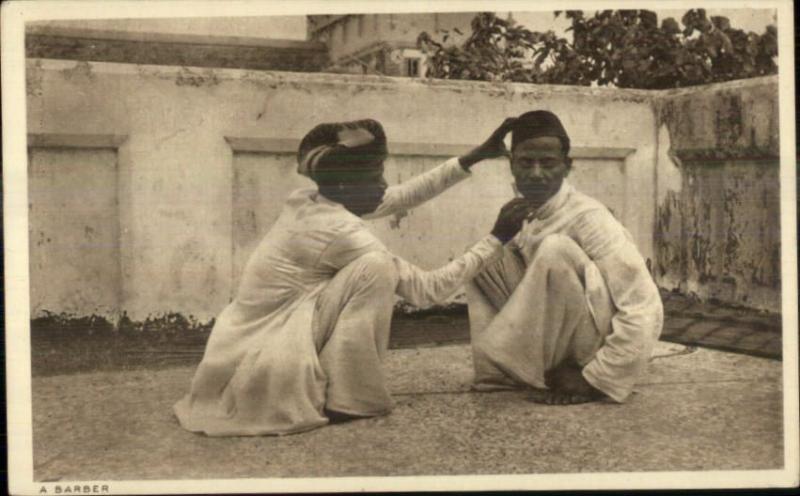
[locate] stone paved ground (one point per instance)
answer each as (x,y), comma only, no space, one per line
(719,327)
(696,409)
(686,321)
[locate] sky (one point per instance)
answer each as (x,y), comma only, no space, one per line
(294,27)
(746,19)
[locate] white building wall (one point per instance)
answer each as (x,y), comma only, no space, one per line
(198,161)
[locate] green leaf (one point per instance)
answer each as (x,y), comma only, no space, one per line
(649,19)
(721,22)
(670,26)
(726,42)
(625,48)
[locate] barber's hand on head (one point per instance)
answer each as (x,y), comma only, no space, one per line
(491,148)
(509,220)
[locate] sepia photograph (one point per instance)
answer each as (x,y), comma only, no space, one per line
(284,247)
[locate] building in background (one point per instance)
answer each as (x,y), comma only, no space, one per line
(130,142)
(148,41)
(358,43)
(382,43)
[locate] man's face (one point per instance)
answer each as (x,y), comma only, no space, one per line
(539,167)
(360,190)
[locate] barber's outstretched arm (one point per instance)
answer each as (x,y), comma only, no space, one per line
(425,186)
(425,288)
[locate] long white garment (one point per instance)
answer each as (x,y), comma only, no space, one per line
(616,269)
(261,370)
(528,319)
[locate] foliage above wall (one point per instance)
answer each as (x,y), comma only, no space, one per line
(623,48)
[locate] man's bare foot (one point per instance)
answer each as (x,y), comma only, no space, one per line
(549,397)
(566,386)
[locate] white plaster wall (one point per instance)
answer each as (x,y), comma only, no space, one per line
(176,169)
(74,235)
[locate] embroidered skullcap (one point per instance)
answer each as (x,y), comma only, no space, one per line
(342,146)
(536,124)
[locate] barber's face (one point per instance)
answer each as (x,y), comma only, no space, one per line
(359,190)
(539,167)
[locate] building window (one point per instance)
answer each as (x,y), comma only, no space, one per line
(360,21)
(345,23)
(337,32)
(412,67)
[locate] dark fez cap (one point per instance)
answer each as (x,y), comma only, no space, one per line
(536,124)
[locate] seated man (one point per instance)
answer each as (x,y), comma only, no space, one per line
(302,341)
(571,306)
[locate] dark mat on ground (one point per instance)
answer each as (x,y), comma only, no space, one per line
(73,349)
(722,327)
(686,321)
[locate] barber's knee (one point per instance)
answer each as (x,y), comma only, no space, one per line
(376,260)
(377,268)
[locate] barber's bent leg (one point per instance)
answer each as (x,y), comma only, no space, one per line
(351,330)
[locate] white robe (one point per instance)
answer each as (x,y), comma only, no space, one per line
(261,372)
(629,325)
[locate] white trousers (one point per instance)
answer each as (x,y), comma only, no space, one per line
(280,380)
(351,327)
(528,319)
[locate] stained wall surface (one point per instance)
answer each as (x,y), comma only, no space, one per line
(194,164)
(204,159)
(718,215)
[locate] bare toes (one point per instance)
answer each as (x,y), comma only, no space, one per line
(540,396)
